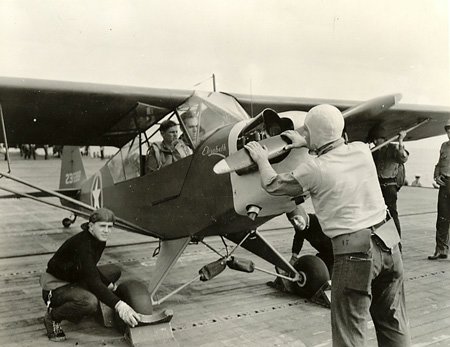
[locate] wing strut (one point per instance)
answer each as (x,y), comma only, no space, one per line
(120,222)
(4,136)
(376,148)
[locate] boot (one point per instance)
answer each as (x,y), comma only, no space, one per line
(437,255)
(54,331)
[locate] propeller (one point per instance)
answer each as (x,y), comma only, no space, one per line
(241,160)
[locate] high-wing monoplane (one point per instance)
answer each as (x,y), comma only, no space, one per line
(215,190)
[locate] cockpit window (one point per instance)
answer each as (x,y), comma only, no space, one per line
(188,125)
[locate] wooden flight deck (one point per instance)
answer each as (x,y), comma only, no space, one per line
(234,309)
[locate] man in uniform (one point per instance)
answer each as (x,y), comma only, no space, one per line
(442,178)
(343,185)
(191,124)
(169,150)
(388,160)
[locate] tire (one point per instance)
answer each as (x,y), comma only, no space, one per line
(66,222)
(135,294)
(314,274)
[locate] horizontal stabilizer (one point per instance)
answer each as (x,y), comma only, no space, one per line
(71,193)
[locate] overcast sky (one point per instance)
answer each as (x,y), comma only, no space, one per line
(338,49)
(341,49)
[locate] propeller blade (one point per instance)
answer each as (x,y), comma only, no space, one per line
(242,160)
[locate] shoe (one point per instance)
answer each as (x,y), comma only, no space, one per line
(436,256)
(54,331)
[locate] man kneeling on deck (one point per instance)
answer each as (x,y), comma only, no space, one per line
(73,284)
(306,227)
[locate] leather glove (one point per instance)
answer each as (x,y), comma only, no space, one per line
(127,314)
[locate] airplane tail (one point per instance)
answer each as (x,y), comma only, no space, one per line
(72,168)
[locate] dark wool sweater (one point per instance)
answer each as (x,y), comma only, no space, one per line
(76,261)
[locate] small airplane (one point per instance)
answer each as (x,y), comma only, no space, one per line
(215,191)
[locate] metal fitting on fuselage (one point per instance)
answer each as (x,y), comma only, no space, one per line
(253,211)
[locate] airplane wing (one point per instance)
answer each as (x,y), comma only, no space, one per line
(71,113)
(394,119)
(54,112)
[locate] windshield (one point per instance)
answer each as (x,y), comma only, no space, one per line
(210,111)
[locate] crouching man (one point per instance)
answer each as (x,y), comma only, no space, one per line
(307,227)
(73,283)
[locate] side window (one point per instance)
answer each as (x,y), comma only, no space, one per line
(126,163)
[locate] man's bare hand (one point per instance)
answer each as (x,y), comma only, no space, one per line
(296,139)
(257,152)
(401,135)
(439,181)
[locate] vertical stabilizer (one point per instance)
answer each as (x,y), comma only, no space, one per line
(72,169)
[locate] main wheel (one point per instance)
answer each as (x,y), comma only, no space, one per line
(135,294)
(313,274)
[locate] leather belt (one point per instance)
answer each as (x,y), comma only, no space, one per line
(376,226)
(356,242)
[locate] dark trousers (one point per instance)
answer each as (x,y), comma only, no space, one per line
(364,283)
(443,220)
(390,198)
(73,301)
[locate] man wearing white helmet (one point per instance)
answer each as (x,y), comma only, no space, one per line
(342,182)
(442,178)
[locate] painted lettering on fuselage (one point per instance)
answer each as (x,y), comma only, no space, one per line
(96,191)
(73,177)
(217,150)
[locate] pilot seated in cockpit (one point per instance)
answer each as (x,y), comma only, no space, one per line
(169,150)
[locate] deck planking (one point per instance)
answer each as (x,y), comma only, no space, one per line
(234,309)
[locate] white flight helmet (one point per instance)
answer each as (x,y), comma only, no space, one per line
(325,124)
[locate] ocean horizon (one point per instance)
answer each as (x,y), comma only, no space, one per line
(423,157)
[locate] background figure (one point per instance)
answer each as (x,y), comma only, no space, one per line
(33,151)
(45,147)
(442,178)
(26,151)
(3,150)
(416,182)
(57,150)
(387,161)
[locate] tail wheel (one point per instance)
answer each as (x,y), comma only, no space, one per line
(313,274)
(66,222)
